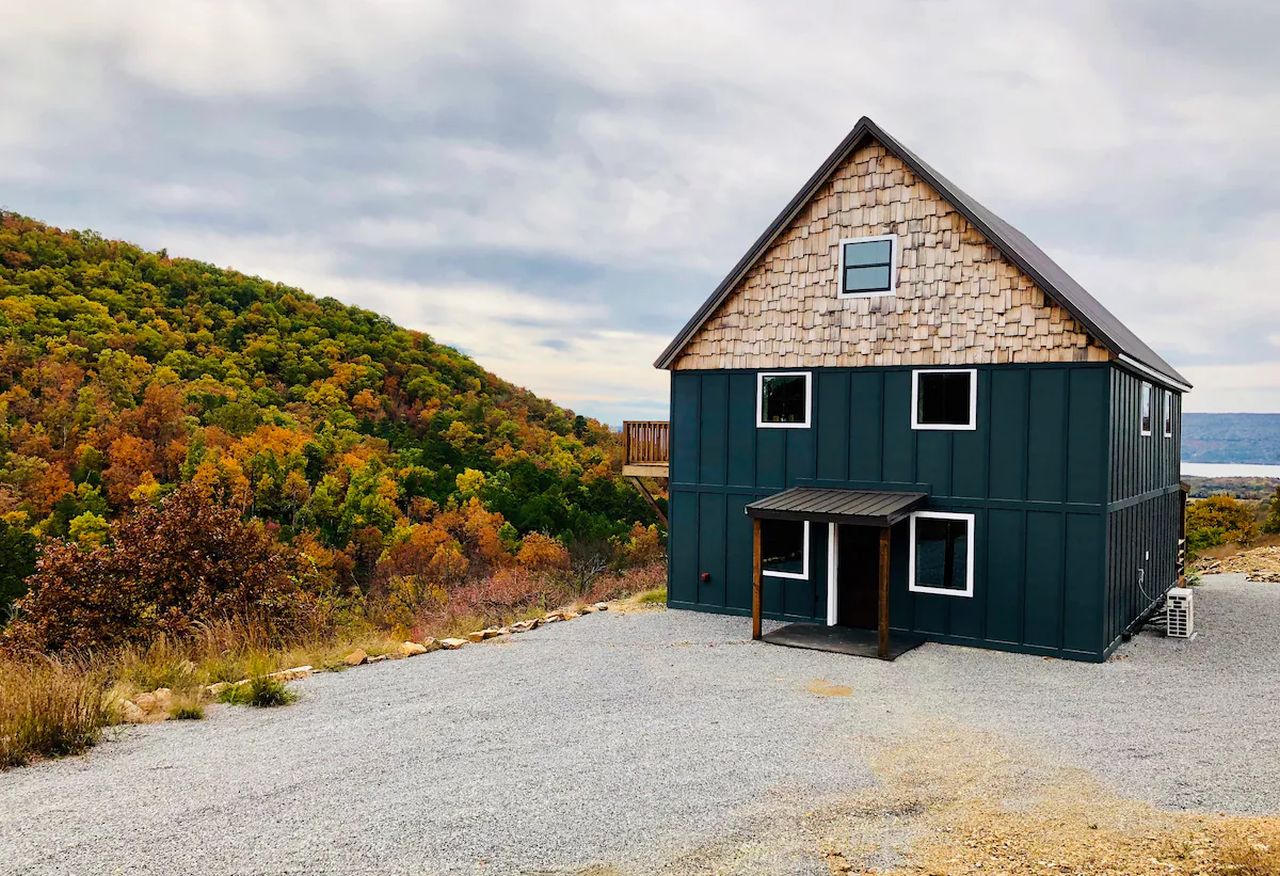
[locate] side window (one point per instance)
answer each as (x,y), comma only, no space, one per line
(783,399)
(867,266)
(1168,414)
(784,548)
(941,559)
(1144,422)
(944,399)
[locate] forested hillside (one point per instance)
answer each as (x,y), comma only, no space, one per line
(126,373)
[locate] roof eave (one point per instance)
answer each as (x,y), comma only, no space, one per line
(867,128)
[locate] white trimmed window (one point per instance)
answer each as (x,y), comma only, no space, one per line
(784,399)
(1168,414)
(868,266)
(941,559)
(1144,413)
(944,398)
(784,548)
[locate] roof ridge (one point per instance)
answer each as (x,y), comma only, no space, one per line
(1011,242)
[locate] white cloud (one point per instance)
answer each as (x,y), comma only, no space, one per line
(513,175)
(1251,387)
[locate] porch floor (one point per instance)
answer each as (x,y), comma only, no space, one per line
(841,640)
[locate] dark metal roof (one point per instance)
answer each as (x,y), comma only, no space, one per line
(869,507)
(1015,246)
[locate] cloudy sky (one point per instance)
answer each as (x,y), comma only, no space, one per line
(555,187)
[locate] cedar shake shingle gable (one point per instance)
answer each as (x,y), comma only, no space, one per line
(971,288)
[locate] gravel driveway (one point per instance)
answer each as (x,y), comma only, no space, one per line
(630,741)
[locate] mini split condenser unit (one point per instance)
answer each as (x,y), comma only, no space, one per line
(1179,613)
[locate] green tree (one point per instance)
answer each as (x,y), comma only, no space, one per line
(17,563)
(1272,523)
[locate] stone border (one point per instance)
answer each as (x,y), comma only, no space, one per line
(153,706)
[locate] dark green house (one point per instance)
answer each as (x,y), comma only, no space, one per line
(897,420)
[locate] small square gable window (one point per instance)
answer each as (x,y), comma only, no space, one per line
(944,399)
(867,266)
(783,400)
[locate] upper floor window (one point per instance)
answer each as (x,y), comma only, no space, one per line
(867,266)
(1144,421)
(783,399)
(1168,414)
(946,398)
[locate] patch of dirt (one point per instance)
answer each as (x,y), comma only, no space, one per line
(1257,564)
(985,807)
(823,688)
(955,802)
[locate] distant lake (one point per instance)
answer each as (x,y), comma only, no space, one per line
(1230,470)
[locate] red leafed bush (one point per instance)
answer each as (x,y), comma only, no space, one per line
(501,594)
(637,579)
(164,570)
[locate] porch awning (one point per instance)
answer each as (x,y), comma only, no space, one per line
(861,507)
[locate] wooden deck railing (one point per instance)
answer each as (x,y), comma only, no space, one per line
(646,442)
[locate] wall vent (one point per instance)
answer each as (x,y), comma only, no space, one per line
(1179,613)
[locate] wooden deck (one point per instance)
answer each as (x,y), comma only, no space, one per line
(646,448)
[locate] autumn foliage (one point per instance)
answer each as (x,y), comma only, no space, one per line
(134,386)
(164,570)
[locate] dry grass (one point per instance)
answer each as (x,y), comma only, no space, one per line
(48,709)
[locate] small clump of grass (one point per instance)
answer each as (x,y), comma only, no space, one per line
(260,691)
(656,596)
(187,707)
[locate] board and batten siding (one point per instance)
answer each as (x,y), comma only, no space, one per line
(1143,518)
(1034,473)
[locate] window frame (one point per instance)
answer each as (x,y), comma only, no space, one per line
(808,399)
(803,574)
(893,266)
(912,586)
(1168,413)
(944,427)
(1146,397)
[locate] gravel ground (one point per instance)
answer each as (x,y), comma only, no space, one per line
(634,741)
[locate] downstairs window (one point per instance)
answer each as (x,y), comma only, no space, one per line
(784,548)
(941,559)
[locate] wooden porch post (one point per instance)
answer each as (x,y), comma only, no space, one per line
(883,651)
(756,632)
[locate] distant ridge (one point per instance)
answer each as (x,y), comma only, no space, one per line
(1231,438)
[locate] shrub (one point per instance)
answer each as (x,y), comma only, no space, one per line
(542,553)
(642,546)
(498,597)
(262,692)
(1272,522)
(1217,520)
(641,579)
(165,570)
(48,708)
